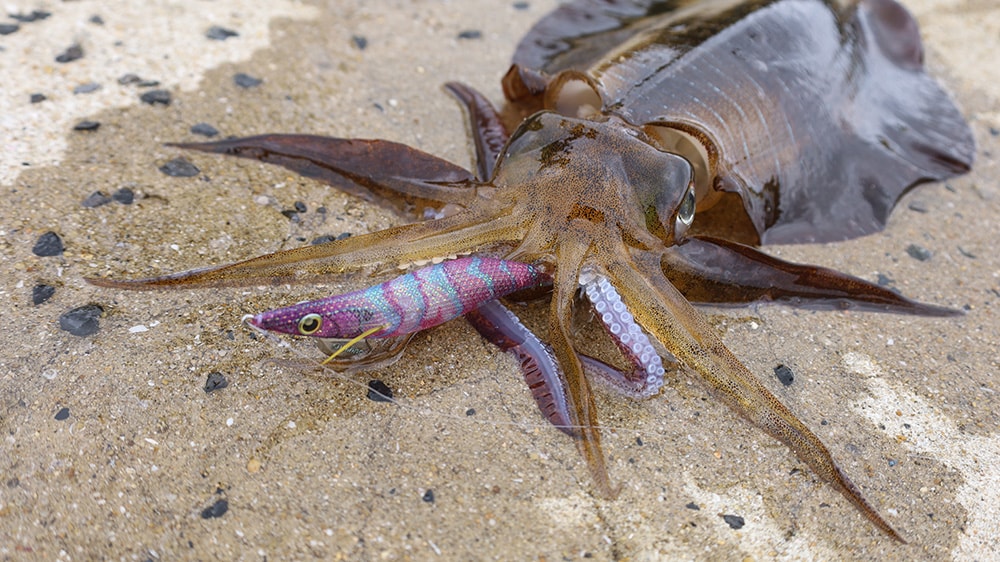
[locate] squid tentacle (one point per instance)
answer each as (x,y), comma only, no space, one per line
(463,232)
(686,334)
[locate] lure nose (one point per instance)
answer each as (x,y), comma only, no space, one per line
(253,320)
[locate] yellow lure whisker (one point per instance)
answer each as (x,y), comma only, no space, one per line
(353,341)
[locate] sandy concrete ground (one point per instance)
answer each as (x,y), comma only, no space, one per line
(307,466)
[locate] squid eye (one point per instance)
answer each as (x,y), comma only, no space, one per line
(685,212)
(310,324)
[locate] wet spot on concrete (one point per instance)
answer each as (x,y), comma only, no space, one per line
(180,168)
(48,244)
(81,321)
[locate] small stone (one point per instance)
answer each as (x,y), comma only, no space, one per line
(219,33)
(125,196)
(180,168)
(96,20)
(521,5)
(378,391)
(154,97)
(291,214)
(323,239)
(129,78)
(62,414)
(71,54)
(205,130)
(87,126)
(360,42)
(215,381)
(428,496)
(966,253)
(48,245)
(8,28)
(734,521)
(470,412)
(784,374)
(87,88)
(218,509)
(38,98)
(35,15)
(470,34)
(693,506)
(918,252)
(41,293)
(253,466)
(244,80)
(885,280)
(994,131)
(300,207)
(82,320)
(917,206)
(95,199)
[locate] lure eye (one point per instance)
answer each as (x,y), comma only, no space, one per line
(310,324)
(685,212)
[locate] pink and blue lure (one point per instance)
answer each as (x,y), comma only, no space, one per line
(410,303)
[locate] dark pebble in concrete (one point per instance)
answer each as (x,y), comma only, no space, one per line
(360,42)
(470,34)
(892,463)
(884,280)
(378,391)
(291,214)
(180,168)
(87,126)
(48,245)
(88,88)
(215,381)
(521,5)
(470,412)
(154,97)
(129,78)
(300,206)
(95,199)
(693,506)
(41,293)
(125,196)
(784,374)
(62,414)
(994,131)
(8,28)
(244,80)
(323,239)
(96,20)
(218,509)
(205,130)
(734,521)
(428,496)
(966,253)
(38,98)
(918,252)
(82,320)
(71,54)
(917,206)
(219,33)
(35,15)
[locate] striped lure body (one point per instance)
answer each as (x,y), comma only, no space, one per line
(416,301)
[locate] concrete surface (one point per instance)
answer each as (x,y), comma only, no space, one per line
(307,465)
